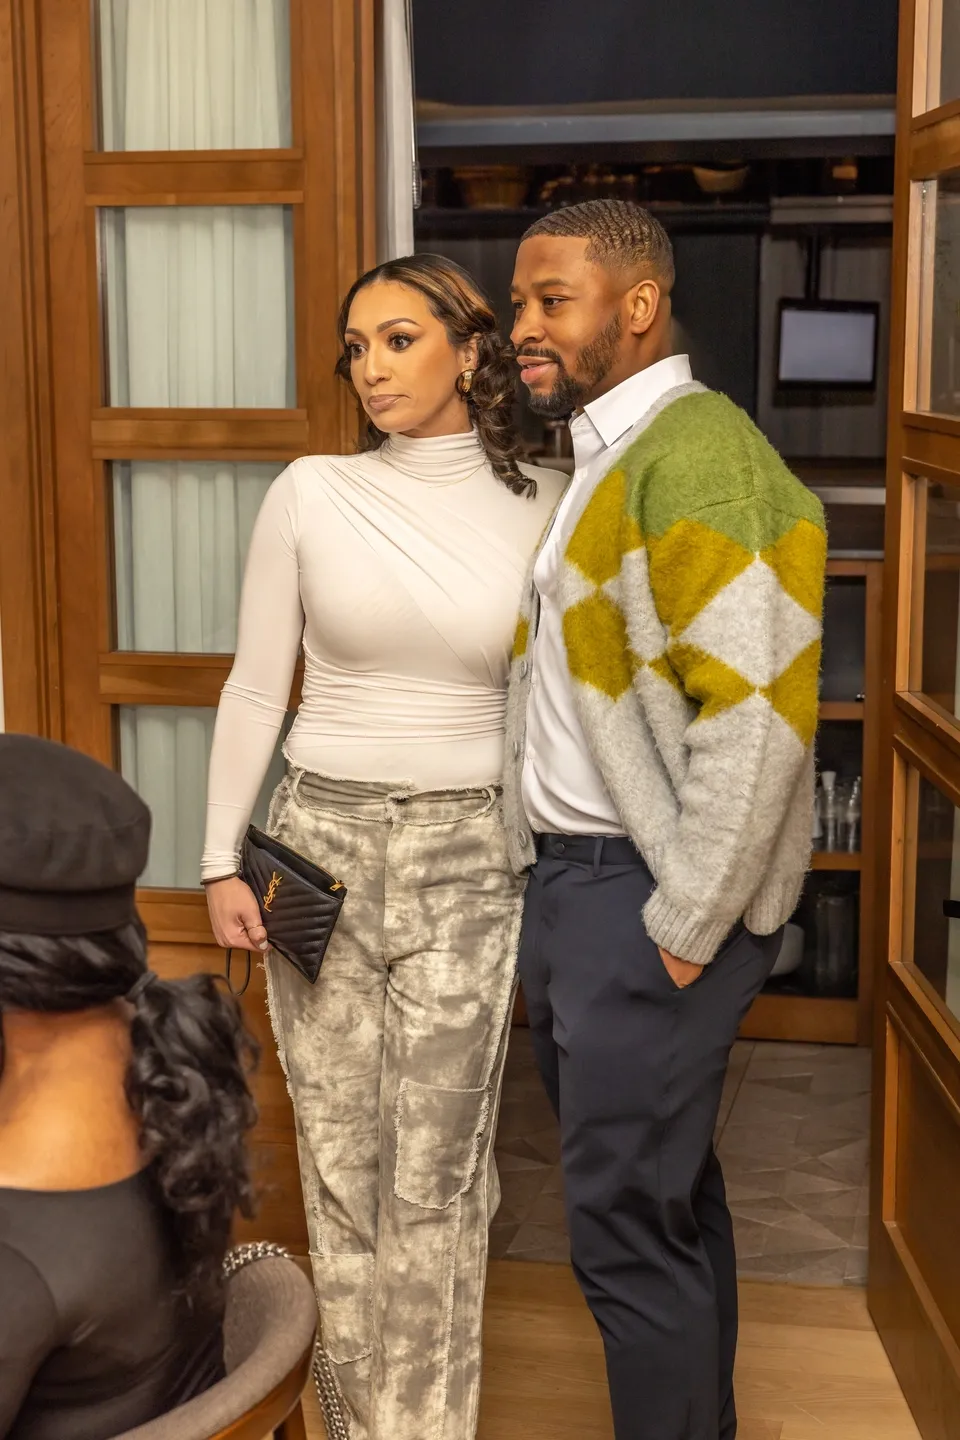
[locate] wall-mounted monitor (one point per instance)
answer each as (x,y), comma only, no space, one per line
(827,345)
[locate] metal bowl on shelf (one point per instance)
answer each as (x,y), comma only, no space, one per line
(791,952)
(492,187)
(720,181)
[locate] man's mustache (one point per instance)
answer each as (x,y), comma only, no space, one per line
(536,352)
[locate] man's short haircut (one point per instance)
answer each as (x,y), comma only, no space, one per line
(622,236)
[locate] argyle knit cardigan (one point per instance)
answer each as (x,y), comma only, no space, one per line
(692,597)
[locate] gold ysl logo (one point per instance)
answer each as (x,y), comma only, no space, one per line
(275,882)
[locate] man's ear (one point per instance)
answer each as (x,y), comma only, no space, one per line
(644,302)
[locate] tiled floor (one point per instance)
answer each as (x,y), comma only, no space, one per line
(795,1151)
(792,1137)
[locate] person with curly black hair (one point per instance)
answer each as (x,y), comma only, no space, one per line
(124,1105)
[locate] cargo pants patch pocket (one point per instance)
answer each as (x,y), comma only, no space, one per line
(344,1285)
(438,1142)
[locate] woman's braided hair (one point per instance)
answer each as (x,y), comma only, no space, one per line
(466,314)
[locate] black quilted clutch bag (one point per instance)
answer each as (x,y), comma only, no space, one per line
(299,902)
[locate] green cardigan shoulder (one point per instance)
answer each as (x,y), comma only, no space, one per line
(703,457)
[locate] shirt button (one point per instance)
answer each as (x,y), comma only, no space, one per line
(524,667)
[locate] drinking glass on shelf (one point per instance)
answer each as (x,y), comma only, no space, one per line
(828,809)
(835,960)
(842,793)
(816,833)
(851,818)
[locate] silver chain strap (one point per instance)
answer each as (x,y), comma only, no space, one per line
(328,1391)
(242,1255)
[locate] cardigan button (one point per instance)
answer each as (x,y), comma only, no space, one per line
(522,837)
(523,669)
(516,749)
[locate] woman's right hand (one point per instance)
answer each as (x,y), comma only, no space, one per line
(235,915)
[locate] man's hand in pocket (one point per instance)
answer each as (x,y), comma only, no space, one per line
(681,972)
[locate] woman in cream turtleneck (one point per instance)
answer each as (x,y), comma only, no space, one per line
(399,570)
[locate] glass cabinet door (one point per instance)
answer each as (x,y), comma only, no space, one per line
(939,55)
(935,654)
(915,1147)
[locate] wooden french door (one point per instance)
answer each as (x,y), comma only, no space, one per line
(186,192)
(185,195)
(914,1284)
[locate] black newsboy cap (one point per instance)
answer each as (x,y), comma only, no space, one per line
(73,841)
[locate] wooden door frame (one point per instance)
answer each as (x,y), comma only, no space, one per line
(914,1036)
(29,639)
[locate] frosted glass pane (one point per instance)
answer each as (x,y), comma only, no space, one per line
(181,532)
(938,515)
(198,306)
(194,74)
(943,54)
(936,920)
(164,755)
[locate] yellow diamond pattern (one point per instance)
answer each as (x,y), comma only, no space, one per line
(797,559)
(631,536)
(794,693)
(716,686)
(689,566)
(661,666)
(595,545)
(597,649)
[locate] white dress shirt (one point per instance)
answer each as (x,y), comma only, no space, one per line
(563,791)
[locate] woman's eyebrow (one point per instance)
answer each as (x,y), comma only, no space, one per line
(400,320)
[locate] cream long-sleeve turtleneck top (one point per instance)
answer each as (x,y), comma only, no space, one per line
(400,572)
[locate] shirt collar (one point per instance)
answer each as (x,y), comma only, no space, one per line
(611,415)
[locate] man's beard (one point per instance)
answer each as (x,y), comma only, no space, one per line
(593,365)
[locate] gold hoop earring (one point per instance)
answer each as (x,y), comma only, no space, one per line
(465,382)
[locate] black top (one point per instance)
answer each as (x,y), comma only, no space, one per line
(93,1340)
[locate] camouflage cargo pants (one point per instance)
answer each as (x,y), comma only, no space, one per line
(394,1060)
